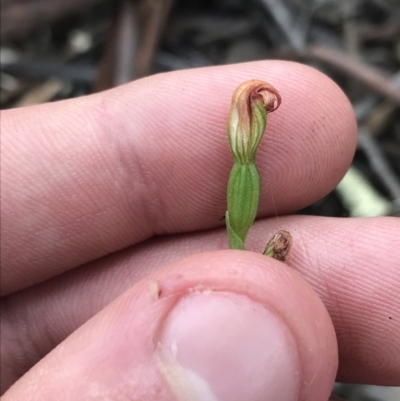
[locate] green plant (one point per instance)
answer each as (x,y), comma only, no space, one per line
(252,101)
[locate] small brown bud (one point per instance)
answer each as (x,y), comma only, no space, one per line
(279,245)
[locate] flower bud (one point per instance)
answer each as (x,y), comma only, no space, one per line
(279,245)
(251,102)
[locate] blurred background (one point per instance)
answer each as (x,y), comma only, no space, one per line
(57,49)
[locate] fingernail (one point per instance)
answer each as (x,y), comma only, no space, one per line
(217,346)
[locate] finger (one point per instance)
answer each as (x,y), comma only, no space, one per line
(353,264)
(225,325)
(105,171)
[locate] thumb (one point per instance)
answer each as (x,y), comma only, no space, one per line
(220,326)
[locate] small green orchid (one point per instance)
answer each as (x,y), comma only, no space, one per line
(251,103)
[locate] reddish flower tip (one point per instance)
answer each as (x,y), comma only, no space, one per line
(255,89)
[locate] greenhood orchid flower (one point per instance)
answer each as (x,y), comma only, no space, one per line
(251,103)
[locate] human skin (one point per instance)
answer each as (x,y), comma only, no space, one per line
(111,209)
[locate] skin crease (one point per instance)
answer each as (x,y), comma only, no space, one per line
(110,188)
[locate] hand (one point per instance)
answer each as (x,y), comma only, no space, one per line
(103,197)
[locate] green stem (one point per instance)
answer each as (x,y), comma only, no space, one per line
(243,198)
